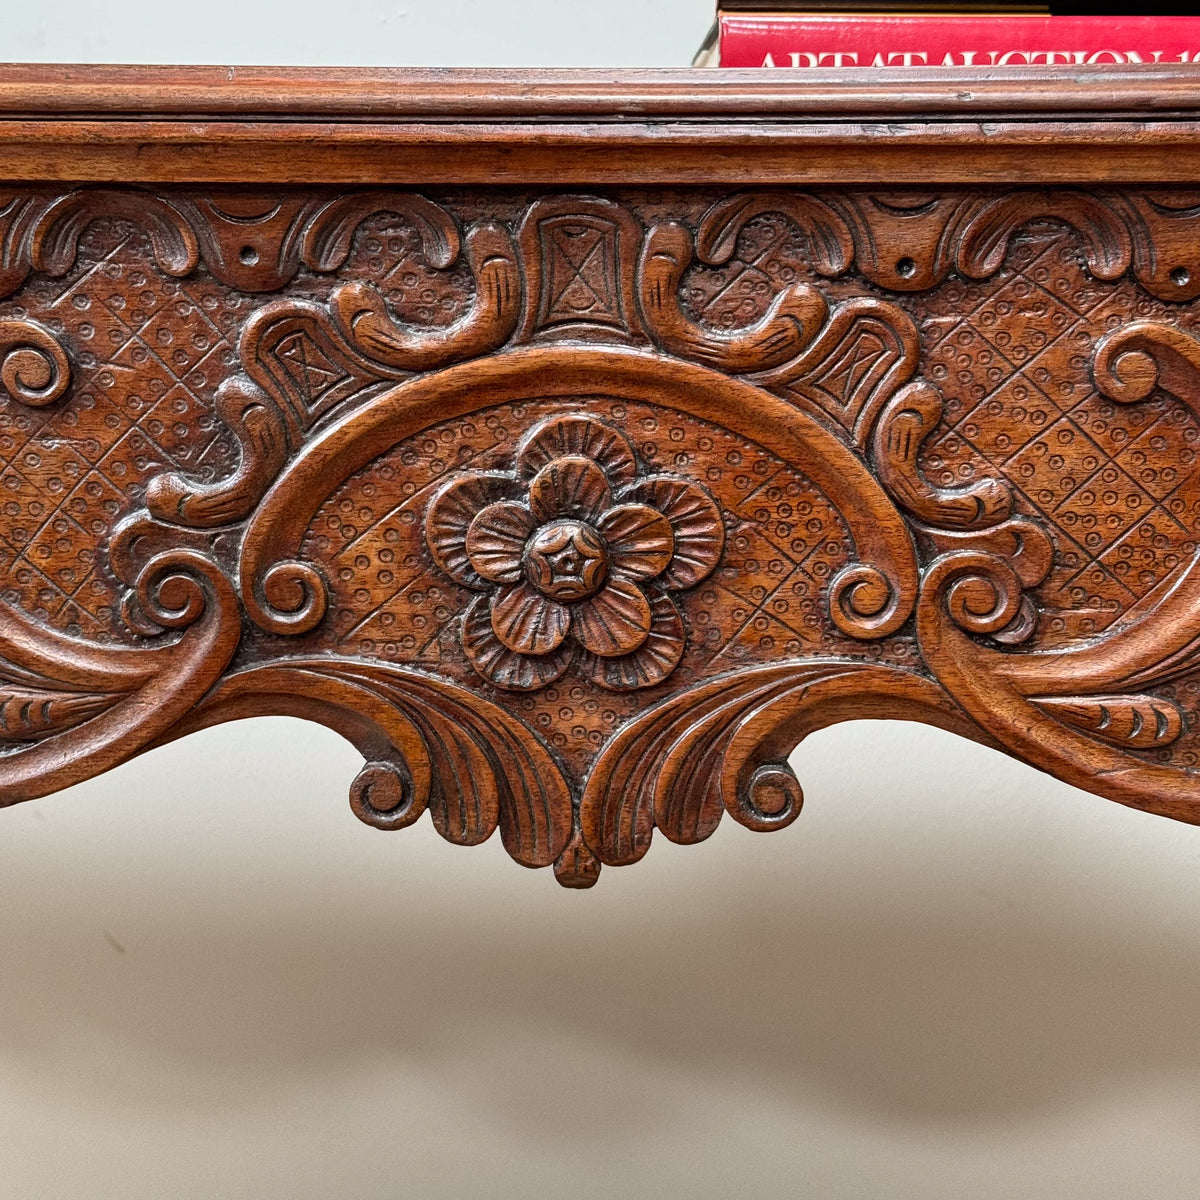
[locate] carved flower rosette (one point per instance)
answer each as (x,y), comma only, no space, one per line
(575,558)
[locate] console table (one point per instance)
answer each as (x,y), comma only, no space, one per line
(575,443)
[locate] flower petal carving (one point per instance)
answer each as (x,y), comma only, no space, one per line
(695,521)
(613,622)
(496,539)
(578,437)
(655,659)
(569,487)
(528,622)
(640,540)
(450,516)
(574,575)
(502,666)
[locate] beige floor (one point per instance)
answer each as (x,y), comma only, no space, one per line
(951,978)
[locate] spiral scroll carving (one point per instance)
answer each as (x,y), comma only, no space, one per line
(34,368)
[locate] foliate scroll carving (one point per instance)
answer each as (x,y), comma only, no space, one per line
(574,515)
(76,708)
(303,360)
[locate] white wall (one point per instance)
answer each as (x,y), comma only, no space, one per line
(952,978)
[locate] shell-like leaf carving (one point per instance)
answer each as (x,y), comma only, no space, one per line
(475,765)
(987,236)
(55,238)
(831,245)
(327,240)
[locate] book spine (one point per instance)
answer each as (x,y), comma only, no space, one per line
(766,40)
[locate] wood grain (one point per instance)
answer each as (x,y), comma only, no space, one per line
(574,505)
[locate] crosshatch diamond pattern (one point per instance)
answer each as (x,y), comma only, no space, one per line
(148,353)
(1023,350)
(1105,478)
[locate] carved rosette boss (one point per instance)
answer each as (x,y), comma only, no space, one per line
(577,557)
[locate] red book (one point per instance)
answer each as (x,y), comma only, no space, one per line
(784,40)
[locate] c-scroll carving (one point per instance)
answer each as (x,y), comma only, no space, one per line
(362,314)
(1085,712)
(1077,711)
(786,328)
(300,363)
(578,557)
(873,597)
(909,418)
(34,368)
(90,706)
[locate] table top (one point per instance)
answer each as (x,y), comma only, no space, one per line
(280,125)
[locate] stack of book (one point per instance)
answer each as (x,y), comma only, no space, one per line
(956,33)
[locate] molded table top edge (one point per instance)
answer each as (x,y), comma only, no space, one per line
(282,126)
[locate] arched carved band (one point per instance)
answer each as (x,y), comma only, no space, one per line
(883,543)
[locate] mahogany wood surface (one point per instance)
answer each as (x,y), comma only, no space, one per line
(575,443)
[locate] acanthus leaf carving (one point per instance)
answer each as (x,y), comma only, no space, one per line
(717,748)
(28,714)
(429,744)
